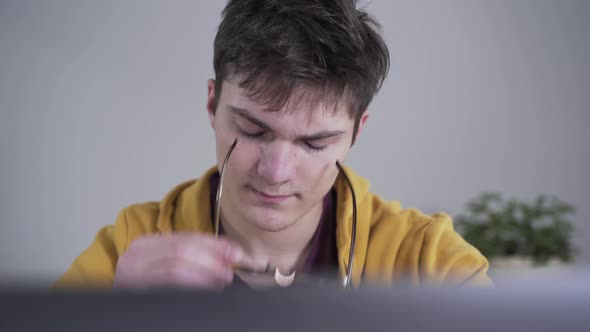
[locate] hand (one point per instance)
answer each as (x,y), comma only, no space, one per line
(178,260)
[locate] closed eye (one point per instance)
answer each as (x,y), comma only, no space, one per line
(313,147)
(260,134)
(252,135)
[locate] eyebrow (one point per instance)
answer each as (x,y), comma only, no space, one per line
(243,113)
(314,137)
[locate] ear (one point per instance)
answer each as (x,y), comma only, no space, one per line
(211,101)
(362,122)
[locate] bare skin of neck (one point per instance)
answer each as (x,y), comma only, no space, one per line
(286,249)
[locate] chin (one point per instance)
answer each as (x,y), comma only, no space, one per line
(269,222)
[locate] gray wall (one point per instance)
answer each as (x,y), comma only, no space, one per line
(103,104)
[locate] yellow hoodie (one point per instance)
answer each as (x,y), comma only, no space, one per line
(392,245)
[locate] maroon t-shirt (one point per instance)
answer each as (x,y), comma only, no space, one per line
(323,254)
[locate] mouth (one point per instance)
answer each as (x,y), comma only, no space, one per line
(269,197)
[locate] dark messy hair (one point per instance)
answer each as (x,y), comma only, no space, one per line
(285,51)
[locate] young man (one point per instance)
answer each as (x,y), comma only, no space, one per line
(293,82)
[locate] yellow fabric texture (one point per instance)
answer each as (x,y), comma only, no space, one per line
(393,245)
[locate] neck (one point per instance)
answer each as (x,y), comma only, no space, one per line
(286,248)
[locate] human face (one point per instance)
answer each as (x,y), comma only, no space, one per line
(284,162)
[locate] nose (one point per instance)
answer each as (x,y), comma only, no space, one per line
(277,163)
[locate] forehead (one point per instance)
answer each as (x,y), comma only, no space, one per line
(304,107)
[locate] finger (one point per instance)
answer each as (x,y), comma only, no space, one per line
(189,246)
(180,273)
(248,264)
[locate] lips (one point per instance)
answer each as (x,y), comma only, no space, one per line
(270,197)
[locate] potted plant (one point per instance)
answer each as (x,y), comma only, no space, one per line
(518,235)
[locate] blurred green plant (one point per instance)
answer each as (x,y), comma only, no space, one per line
(499,228)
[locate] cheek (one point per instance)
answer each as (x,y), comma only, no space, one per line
(243,158)
(320,173)
(224,138)
(223,143)
(223,134)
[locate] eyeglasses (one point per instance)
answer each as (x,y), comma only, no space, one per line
(279,278)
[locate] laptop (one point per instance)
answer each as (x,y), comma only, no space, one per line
(549,305)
